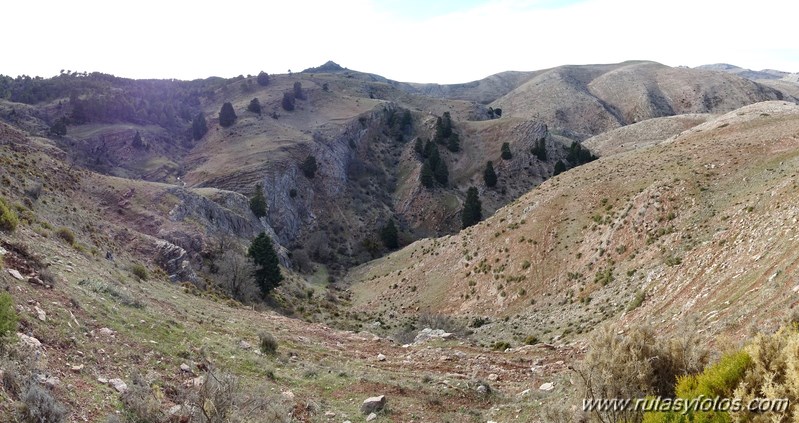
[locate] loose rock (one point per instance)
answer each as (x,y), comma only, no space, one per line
(373,404)
(547,387)
(15,273)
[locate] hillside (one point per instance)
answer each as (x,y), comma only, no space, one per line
(127,258)
(698,228)
(587,100)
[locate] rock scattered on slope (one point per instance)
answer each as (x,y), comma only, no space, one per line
(427,334)
(373,404)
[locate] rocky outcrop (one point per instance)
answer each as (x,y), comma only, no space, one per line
(175,261)
(220,212)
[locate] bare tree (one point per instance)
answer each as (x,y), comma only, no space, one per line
(235,275)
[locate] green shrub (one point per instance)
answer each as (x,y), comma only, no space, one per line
(718,380)
(66,234)
(267,343)
(8,217)
(8,316)
(139,271)
(531,340)
(500,346)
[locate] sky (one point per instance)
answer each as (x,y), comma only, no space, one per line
(447,41)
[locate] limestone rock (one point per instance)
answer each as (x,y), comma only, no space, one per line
(546,387)
(373,404)
(119,385)
(15,273)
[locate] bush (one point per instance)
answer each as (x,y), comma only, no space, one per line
(635,364)
(66,234)
(40,406)
(8,217)
(8,316)
(139,271)
(267,343)
(531,340)
(500,346)
(140,401)
(718,380)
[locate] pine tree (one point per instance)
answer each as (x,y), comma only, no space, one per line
(434,158)
(506,154)
(560,167)
(418,146)
(298,93)
(199,127)
(288,101)
(454,143)
(540,149)
(489,176)
(426,175)
(258,202)
(472,209)
(59,127)
(254,106)
(263,79)
(309,167)
(429,146)
(137,142)
(267,272)
(389,235)
(441,173)
(227,116)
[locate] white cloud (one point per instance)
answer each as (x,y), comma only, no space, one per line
(191,40)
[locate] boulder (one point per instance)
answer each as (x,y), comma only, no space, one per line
(373,404)
(119,385)
(546,387)
(15,273)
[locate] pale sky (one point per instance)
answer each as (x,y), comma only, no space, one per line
(446,41)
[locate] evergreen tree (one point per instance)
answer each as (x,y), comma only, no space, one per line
(560,167)
(137,142)
(298,93)
(267,272)
(309,167)
(540,149)
(389,235)
(59,127)
(441,173)
(446,125)
(429,146)
(489,176)
(418,146)
(227,116)
(426,175)
(199,127)
(454,143)
(498,112)
(472,209)
(254,106)
(506,154)
(258,202)
(263,79)
(288,101)
(434,157)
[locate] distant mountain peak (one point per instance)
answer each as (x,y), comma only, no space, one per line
(329,66)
